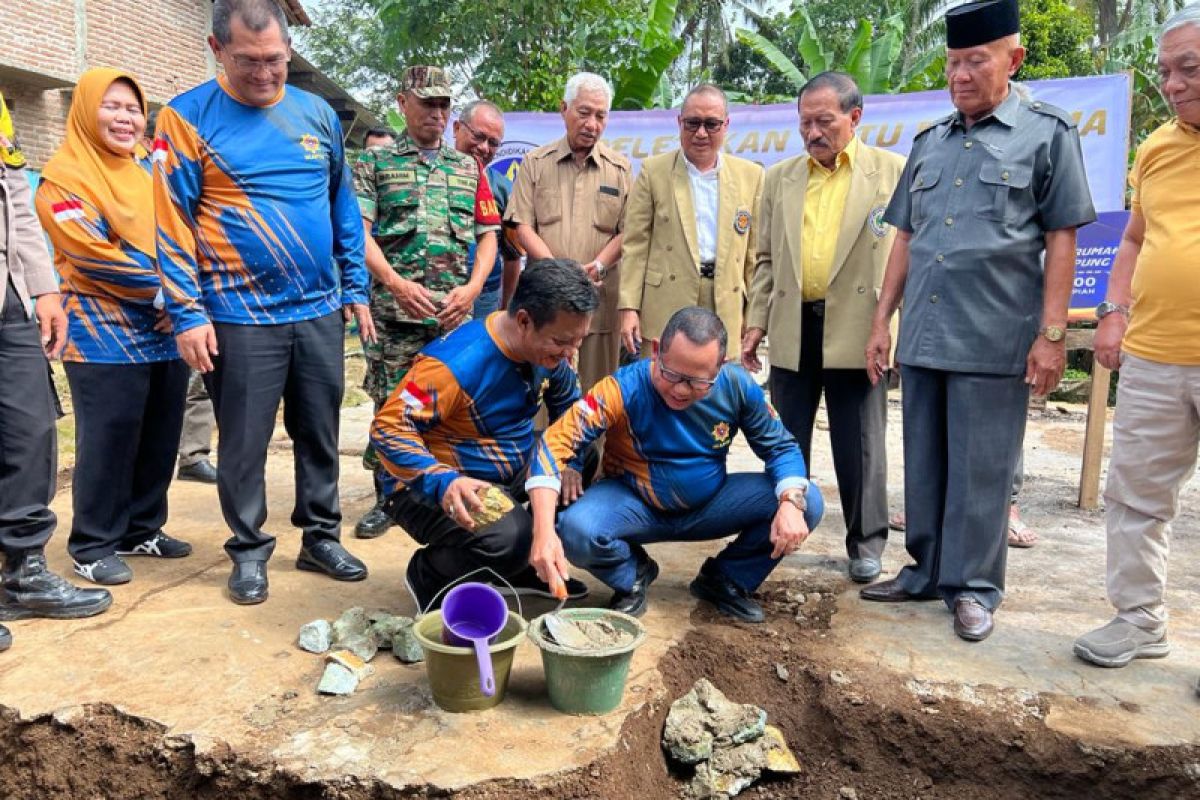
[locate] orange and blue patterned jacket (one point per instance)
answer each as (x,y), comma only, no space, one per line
(256,214)
(108,286)
(673,460)
(466,408)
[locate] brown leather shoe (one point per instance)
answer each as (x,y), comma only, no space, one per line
(889,591)
(972,621)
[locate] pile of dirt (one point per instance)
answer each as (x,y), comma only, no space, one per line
(856,734)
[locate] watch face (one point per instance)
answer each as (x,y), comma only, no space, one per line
(1054,333)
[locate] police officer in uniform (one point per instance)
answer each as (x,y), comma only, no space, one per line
(27,407)
(428,204)
(986,212)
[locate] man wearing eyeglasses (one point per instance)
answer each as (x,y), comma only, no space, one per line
(821,256)
(690,227)
(568,200)
(669,422)
(435,226)
(479,131)
(260,247)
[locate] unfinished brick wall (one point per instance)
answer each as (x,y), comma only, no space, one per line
(161,43)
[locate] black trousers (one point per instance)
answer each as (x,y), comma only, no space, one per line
(28,454)
(300,363)
(127,423)
(962,438)
(451,551)
(857,432)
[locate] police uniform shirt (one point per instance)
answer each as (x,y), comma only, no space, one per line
(978,203)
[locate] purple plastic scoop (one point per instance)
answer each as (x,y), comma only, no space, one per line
(472,615)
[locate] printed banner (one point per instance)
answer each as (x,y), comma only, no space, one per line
(1095,250)
(767,134)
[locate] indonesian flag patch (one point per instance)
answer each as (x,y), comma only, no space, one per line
(414,396)
(68,210)
(589,406)
(159,153)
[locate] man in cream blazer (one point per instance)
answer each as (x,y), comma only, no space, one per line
(822,249)
(690,226)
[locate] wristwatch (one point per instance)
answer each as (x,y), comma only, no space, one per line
(1106,308)
(1053,333)
(601,268)
(796,498)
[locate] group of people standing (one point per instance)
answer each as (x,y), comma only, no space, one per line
(243,242)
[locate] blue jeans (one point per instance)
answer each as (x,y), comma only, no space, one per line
(602,529)
(486,303)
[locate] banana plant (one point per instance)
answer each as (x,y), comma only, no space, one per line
(873,59)
(643,82)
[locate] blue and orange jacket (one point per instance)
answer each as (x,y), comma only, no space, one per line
(108,286)
(674,460)
(466,408)
(256,214)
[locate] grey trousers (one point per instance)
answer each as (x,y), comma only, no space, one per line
(300,363)
(857,432)
(962,436)
(28,455)
(195,441)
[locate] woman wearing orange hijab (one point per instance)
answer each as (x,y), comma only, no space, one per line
(127,380)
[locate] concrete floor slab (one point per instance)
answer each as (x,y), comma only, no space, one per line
(175,650)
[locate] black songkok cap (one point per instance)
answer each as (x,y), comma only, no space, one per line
(973,24)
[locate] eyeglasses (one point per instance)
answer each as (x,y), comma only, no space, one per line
(253,65)
(672,377)
(479,137)
(711,124)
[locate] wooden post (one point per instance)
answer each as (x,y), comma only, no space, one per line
(1093,438)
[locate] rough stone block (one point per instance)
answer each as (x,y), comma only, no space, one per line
(316,636)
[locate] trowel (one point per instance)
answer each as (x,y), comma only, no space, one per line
(564,630)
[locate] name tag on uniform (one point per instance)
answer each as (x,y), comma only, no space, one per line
(614,191)
(459,182)
(397,176)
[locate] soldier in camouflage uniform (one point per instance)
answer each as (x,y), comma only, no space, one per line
(425,204)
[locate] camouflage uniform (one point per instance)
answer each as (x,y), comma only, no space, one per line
(426,214)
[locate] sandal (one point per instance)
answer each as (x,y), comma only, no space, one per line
(1020,535)
(897,521)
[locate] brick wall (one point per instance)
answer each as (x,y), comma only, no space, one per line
(161,43)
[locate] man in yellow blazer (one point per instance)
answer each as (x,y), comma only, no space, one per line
(822,249)
(690,226)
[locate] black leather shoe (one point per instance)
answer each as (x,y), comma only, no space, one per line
(248,582)
(200,472)
(334,560)
(30,590)
(634,601)
(374,523)
(5,639)
(729,598)
(865,570)
(972,621)
(889,591)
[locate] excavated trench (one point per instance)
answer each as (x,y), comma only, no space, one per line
(880,735)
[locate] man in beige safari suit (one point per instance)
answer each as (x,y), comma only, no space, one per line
(568,201)
(814,292)
(690,227)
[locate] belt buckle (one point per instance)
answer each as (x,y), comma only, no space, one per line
(708,269)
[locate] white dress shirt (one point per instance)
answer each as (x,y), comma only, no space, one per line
(706,192)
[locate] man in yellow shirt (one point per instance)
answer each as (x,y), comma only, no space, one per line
(822,249)
(1150,329)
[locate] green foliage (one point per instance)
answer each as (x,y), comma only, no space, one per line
(348,43)
(642,82)
(872,56)
(518,53)
(1055,35)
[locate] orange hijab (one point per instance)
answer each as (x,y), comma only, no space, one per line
(116,185)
